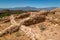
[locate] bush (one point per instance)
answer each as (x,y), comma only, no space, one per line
(42,27)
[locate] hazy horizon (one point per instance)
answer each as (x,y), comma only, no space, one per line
(31,3)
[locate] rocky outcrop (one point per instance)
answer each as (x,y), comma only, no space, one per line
(49,21)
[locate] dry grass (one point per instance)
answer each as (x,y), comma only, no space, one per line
(47,26)
(42,27)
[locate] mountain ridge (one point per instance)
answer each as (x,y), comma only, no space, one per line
(29,8)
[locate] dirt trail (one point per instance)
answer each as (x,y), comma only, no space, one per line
(38,26)
(31,33)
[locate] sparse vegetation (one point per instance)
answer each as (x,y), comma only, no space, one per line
(34,26)
(42,27)
(9,12)
(18,34)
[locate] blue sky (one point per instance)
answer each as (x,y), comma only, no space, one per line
(32,3)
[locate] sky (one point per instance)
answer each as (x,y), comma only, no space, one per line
(32,3)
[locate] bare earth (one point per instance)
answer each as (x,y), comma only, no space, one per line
(42,25)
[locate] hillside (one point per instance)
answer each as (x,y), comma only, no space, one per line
(27,8)
(41,25)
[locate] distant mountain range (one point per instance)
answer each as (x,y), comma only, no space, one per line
(29,8)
